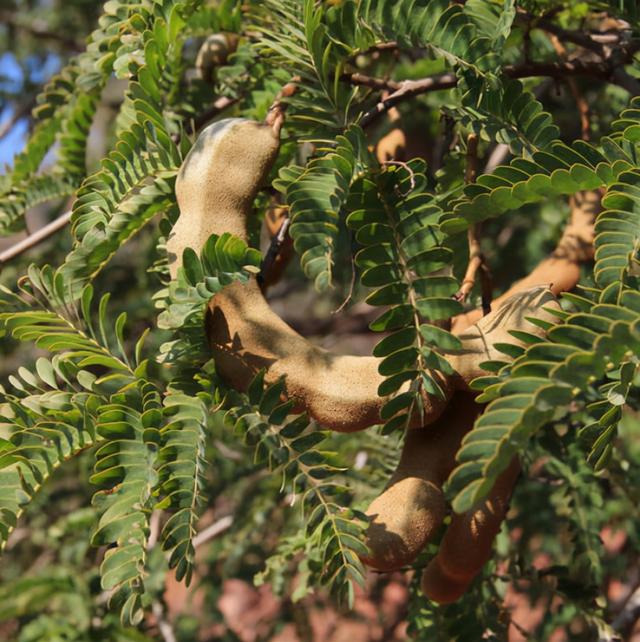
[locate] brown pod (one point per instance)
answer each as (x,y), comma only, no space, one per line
(410,510)
(479,339)
(407,514)
(214,52)
(468,542)
(560,271)
(218,182)
(440,587)
(341,391)
(216,187)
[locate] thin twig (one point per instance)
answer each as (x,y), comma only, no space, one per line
(471,161)
(597,42)
(226,452)
(496,157)
(405,166)
(17,535)
(583,109)
(592,68)
(581,103)
(391,45)
(477,264)
(501,150)
(580,38)
(362,80)
(218,527)
(275,118)
(57,224)
(165,628)
(220,104)
(352,283)
(475,261)
(154,529)
(400,91)
(486,288)
(277,241)
(37,237)
(625,620)
(608,70)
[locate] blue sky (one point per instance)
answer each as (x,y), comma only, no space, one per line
(11,77)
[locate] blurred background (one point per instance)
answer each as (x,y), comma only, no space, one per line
(49,584)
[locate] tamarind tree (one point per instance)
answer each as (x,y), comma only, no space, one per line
(458,182)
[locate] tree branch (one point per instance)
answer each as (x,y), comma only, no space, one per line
(37,237)
(609,70)
(593,68)
(597,42)
(477,264)
(219,105)
(164,626)
(579,38)
(57,224)
(400,91)
(630,614)
(215,529)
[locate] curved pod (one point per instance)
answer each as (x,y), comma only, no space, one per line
(218,182)
(468,543)
(409,512)
(216,187)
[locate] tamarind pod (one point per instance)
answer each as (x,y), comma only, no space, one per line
(440,587)
(215,188)
(577,239)
(411,508)
(468,541)
(218,182)
(478,340)
(214,52)
(408,513)
(560,271)
(339,391)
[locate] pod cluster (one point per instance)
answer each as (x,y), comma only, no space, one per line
(216,187)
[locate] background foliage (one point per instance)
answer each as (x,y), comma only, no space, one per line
(122,454)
